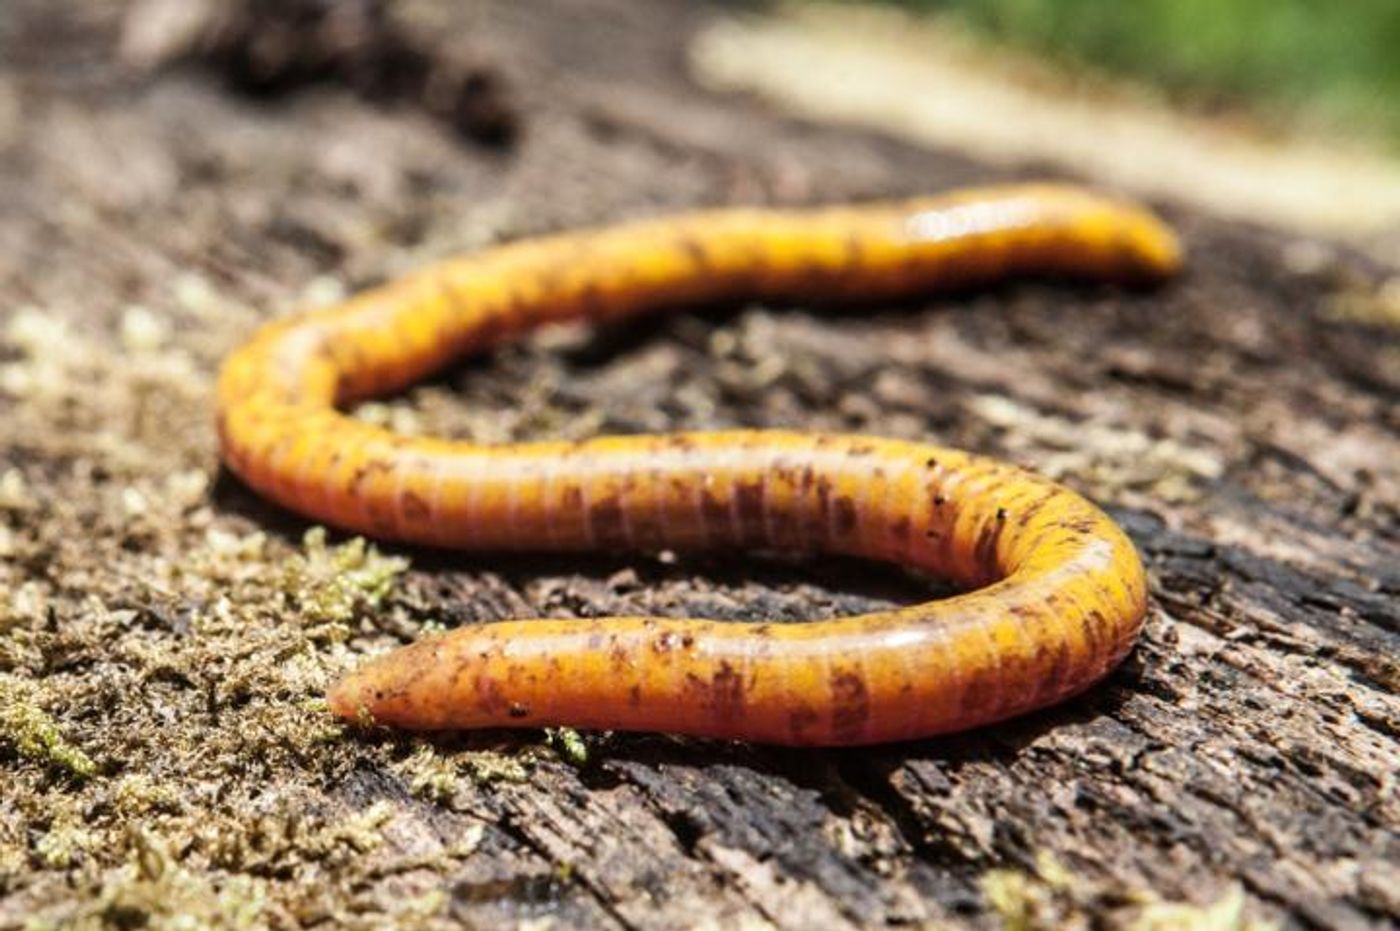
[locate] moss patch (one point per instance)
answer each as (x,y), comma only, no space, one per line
(1050,896)
(34,735)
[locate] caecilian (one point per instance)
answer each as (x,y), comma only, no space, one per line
(1054,592)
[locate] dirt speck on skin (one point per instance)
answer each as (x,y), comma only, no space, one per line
(166,637)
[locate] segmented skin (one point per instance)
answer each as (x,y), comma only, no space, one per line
(1055,591)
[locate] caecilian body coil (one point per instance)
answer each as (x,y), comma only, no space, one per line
(1055,591)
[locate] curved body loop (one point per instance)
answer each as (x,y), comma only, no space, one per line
(1057,593)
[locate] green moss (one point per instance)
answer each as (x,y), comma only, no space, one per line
(430,777)
(1052,897)
(360,833)
(486,766)
(569,744)
(153,892)
(137,794)
(64,842)
(433,774)
(332,583)
(34,735)
(1226,913)
(1031,901)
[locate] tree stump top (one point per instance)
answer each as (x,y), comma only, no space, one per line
(164,635)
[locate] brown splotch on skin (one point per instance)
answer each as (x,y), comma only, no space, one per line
(1063,592)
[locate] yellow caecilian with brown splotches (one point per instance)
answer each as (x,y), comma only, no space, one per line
(1056,593)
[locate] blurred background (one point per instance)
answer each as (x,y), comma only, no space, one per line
(1331,65)
(1276,112)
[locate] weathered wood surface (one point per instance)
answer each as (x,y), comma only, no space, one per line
(1243,424)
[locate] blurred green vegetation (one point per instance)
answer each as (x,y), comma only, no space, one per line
(1333,61)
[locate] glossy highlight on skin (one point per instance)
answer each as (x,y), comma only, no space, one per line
(1056,593)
